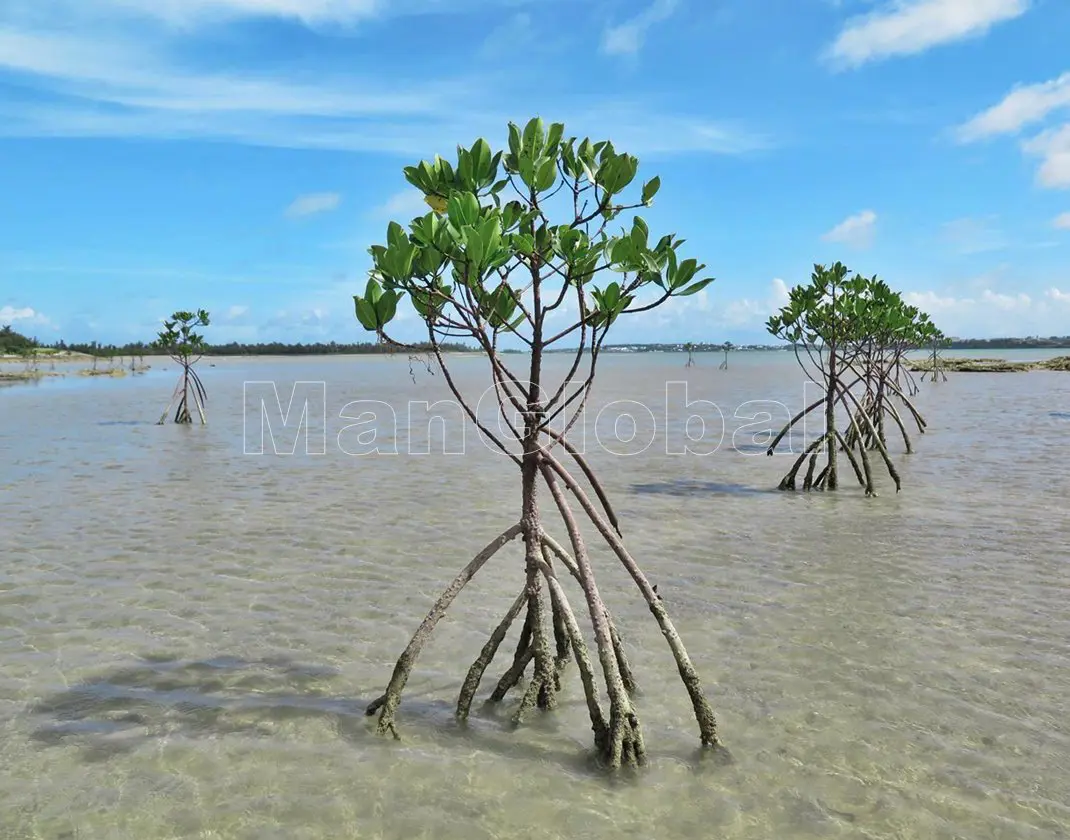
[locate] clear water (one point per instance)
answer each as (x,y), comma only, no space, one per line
(190,633)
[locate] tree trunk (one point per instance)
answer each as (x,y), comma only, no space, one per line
(831,481)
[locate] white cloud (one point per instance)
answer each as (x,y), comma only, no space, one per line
(183,14)
(627,38)
(1061,222)
(994,314)
(855,231)
(1027,105)
(1053,147)
(1024,105)
(746,312)
(118,73)
(403,205)
(908,27)
(96,85)
(308,205)
(22,316)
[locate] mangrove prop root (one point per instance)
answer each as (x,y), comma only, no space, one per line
(174,396)
(704,716)
(562,641)
(788,482)
(387,705)
(626,673)
(583,659)
(787,428)
(521,657)
(512,676)
(541,690)
(524,642)
(902,428)
(866,476)
(808,481)
(851,457)
(881,449)
(581,462)
(620,704)
(486,656)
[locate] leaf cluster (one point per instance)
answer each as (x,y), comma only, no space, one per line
(178,338)
(468,263)
(838,311)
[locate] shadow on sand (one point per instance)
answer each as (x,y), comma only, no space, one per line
(125,709)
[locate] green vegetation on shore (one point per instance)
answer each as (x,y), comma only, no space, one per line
(13,343)
(233,348)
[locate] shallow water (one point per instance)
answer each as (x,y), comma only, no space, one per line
(190,633)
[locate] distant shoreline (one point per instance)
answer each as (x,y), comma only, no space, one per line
(108,353)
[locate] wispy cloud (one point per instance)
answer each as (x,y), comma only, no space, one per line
(748,312)
(908,27)
(313,203)
(627,38)
(1024,105)
(1061,222)
(405,204)
(974,235)
(990,313)
(23,316)
(855,231)
(1053,148)
(1028,105)
(186,14)
(102,86)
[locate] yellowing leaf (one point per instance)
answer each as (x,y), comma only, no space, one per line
(436,203)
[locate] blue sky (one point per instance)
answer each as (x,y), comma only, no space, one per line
(242,154)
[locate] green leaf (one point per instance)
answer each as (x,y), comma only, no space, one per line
(474,248)
(514,139)
(589,172)
(386,306)
(524,243)
(546,174)
(553,137)
(639,234)
(650,189)
(481,160)
(365,313)
(534,133)
(463,209)
(373,291)
(694,287)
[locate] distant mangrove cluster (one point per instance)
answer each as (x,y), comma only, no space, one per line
(850,335)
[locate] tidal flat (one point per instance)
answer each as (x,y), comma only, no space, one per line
(193,619)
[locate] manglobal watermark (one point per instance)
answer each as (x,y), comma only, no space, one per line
(293,418)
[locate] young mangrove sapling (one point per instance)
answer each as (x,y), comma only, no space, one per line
(185,347)
(489,263)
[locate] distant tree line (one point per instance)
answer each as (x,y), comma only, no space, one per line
(15,343)
(1054,341)
(12,342)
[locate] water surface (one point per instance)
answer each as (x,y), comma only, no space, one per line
(190,633)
